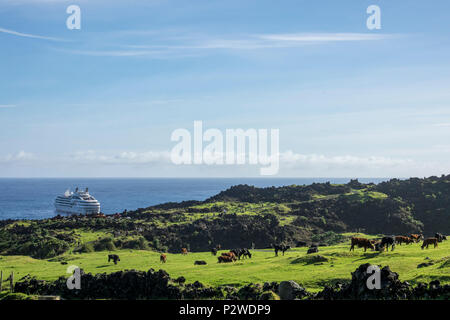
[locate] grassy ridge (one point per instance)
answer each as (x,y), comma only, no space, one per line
(263,267)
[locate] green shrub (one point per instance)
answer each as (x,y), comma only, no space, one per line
(15,296)
(86,247)
(104,244)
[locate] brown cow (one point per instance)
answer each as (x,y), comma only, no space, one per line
(230,254)
(224,259)
(162,258)
(416,237)
(184,251)
(401,239)
(429,241)
(361,243)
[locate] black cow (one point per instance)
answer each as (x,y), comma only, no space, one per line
(214,251)
(440,237)
(378,246)
(386,242)
(237,253)
(312,250)
(113,257)
(246,253)
(281,248)
(241,253)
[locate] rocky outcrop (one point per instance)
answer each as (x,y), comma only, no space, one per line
(128,284)
(290,290)
(391,288)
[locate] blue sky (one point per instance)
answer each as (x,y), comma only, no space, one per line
(103,101)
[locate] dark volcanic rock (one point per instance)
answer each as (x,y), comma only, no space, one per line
(425,264)
(391,288)
(290,290)
(128,284)
(250,292)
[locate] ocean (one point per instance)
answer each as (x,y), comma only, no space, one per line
(33,198)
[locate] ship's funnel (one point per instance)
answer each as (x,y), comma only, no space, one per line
(87,189)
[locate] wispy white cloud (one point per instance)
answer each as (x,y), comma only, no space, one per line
(288,158)
(126,157)
(324,37)
(155,163)
(28,35)
(17,157)
(292,159)
(182,46)
(442,124)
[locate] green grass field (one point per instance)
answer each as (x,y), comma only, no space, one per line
(263,267)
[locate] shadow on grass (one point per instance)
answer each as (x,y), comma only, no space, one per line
(369,255)
(103,266)
(446,263)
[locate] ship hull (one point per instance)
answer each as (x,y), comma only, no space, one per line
(77,203)
(77,209)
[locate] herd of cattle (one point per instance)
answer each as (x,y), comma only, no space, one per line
(230,256)
(391,241)
(374,244)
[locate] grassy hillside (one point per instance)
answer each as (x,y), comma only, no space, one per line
(244,215)
(263,267)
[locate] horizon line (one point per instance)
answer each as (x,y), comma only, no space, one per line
(253,177)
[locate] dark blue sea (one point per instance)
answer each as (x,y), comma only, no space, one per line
(33,198)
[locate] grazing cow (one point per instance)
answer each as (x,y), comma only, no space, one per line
(281,248)
(184,251)
(241,253)
(377,245)
(199,262)
(162,258)
(361,243)
(214,251)
(229,254)
(226,259)
(416,237)
(246,253)
(440,237)
(113,257)
(401,239)
(386,242)
(429,241)
(237,253)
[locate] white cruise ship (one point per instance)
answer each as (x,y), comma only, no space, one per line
(78,202)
